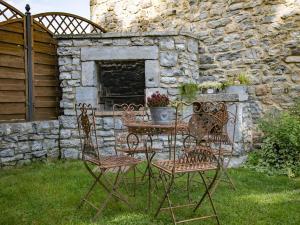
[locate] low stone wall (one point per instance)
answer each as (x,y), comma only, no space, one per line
(21,143)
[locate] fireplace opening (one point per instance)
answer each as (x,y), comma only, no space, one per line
(121,82)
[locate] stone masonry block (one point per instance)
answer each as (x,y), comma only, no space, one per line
(89,74)
(119,53)
(87,95)
(152,72)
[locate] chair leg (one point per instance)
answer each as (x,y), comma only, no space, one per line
(169,200)
(113,189)
(117,195)
(86,196)
(207,193)
(188,187)
(229,179)
(167,191)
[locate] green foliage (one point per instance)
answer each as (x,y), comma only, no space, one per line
(295,109)
(210,84)
(280,150)
(243,79)
(48,194)
(188,91)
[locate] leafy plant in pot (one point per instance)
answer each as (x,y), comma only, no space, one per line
(238,85)
(210,87)
(188,91)
(160,111)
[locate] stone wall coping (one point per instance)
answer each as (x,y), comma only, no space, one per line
(221,97)
(128,35)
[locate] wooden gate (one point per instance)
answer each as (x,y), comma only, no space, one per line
(29,83)
(46,87)
(13,85)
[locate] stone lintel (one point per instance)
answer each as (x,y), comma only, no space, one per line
(119,53)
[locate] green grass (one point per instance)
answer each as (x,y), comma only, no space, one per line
(48,193)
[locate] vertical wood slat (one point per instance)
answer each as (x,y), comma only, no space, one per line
(29,85)
(13,72)
(46,86)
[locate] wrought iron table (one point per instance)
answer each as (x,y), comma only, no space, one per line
(150,129)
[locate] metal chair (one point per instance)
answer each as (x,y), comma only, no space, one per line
(129,143)
(98,165)
(222,136)
(196,157)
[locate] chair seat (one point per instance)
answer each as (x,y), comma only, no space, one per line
(184,167)
(215,151)
(222,152)
(137,150)
(219,138)
(107,162)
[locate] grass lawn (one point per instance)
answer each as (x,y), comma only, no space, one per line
(48,193)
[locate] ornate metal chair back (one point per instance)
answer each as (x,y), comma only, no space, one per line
(125,114)
(225,116)
(85,115)
(200,125)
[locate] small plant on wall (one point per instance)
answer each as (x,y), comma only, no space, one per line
(188,91)
(210,87)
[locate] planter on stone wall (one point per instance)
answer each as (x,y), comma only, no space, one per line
(210,90)
(161,115)
(241,90)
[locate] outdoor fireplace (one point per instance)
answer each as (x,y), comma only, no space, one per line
(121,82)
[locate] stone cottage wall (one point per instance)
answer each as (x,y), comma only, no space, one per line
(170,59)
(22,143)
(258,37)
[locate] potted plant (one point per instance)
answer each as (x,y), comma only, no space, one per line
(238,85)
(188,91)
(210,87)
(160,111)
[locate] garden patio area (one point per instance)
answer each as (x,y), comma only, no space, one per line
(48,193)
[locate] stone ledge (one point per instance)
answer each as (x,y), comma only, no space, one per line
(128,35)
(222,97)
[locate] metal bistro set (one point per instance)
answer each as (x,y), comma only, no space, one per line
(200,144)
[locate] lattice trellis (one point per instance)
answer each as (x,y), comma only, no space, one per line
(67,24)
(7,12)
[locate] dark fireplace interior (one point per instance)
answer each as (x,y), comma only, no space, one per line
(121,82)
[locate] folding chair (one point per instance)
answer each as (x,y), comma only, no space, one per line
(129,143)
(222,136)
(98,165)
(196,158)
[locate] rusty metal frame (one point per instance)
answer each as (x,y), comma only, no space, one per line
(196,158)
(91,157)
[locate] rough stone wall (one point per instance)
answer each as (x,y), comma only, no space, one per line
(174,60)
(258,37)
(21,143)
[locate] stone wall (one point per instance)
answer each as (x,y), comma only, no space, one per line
(170,59)
(258,37)
(21,143)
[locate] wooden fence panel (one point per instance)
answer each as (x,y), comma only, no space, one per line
(46,88)
(12,71)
